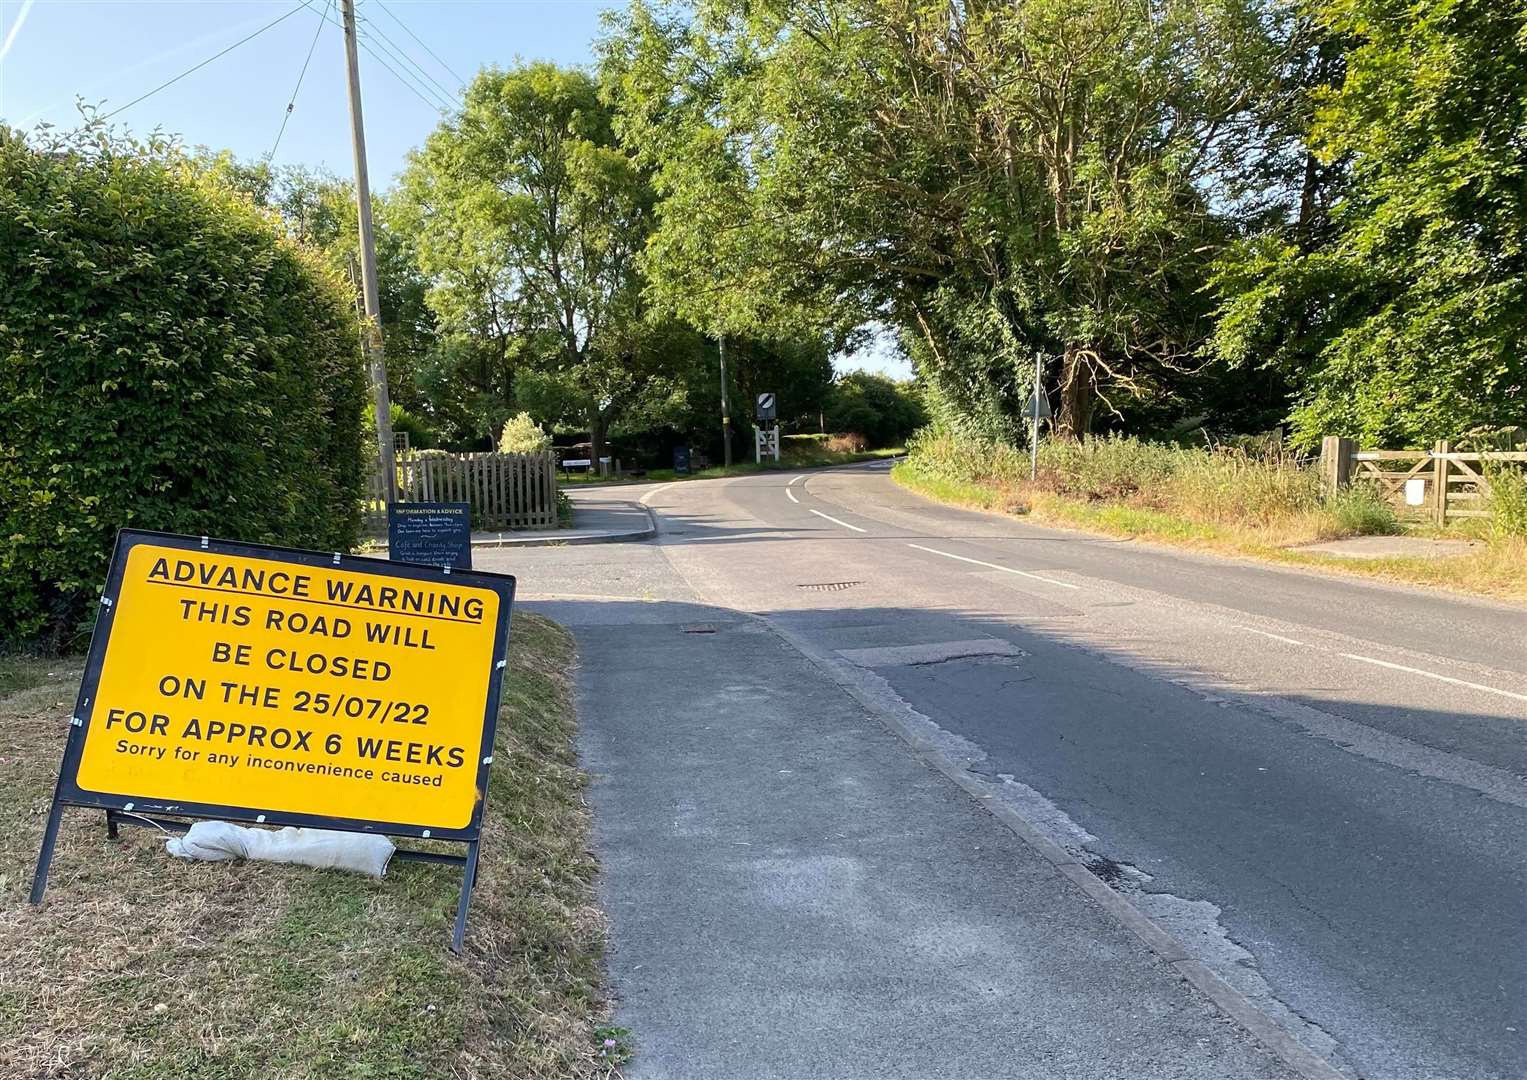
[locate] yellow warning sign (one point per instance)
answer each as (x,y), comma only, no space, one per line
(294,688)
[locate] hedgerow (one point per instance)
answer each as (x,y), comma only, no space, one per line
(168,360)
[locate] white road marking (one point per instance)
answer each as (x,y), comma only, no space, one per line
(795,481)
(1433,675)
(994,566)
(1264,633)
(660,488)
(835,521)
(792,495)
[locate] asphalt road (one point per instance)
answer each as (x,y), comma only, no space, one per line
(1316,783)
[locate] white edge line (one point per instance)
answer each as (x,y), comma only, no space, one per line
(1275,637)
(796,480)
(835,521)
(660,488)
(992,566)
(792,495)
(1433,675)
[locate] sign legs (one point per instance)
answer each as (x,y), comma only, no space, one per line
(468,881)
(45,856)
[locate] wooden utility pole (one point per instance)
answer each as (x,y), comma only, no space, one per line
(375,358)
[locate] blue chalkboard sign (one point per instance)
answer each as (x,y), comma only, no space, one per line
(681,460)
(435,534)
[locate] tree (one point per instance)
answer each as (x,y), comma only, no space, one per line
(991,178)
(318,209)
(1404,319)
(529,219)
(168,360)
(884,411)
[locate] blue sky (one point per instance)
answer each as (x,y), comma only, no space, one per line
(109,52)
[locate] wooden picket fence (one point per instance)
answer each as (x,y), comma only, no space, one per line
(506,491)
(1454,483)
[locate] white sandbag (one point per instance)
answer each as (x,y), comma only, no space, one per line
(325,849)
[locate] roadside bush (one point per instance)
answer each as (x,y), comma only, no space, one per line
(522,435)
(1260,487)
(167,360)
(421,436)
(1107,467)
(948,456)
(884,411)
(1227,485)
(1508,500)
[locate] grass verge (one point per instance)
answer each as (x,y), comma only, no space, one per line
(1496,570)
(142,966)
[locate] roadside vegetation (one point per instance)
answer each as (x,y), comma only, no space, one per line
(1306,217)
(141,966)
(168,360)
(1250,498)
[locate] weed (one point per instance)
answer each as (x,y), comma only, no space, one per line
(1359,510)
(1507,501)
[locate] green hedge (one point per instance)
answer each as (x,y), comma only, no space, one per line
(167,361)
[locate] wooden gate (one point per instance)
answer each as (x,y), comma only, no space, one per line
(1455,483)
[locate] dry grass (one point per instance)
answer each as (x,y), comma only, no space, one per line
(1498,570)
(851,443)
(142,966)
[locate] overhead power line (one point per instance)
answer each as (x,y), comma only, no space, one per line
(368,33)
(204,63)
(395,48)
(290,105)
(405,83)
(423,46)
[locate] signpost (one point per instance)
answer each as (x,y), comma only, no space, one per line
(1036,410)
(434,534)
(765,443)
(271,686)
(766,431)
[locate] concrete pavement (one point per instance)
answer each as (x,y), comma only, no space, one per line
(1314,783)
(595,521)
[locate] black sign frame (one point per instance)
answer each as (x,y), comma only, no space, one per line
(126,809)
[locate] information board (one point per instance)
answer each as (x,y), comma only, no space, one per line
(434,534)
(257,684)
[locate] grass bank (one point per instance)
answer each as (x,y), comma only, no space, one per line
(140,966)
(1234,501)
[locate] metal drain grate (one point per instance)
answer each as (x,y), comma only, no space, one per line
(831,586)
